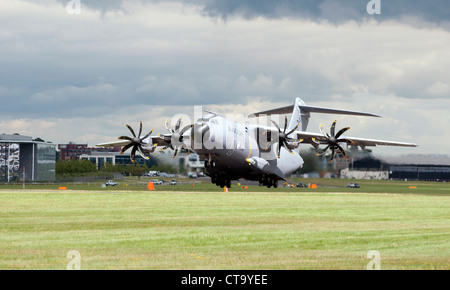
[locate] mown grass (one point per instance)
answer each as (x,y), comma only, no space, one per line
(242,229)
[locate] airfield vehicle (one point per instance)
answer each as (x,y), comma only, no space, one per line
(300,184)
(156,182)
(110,183)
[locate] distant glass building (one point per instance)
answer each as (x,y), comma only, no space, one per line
(23,156)
(74,151)
(101,158)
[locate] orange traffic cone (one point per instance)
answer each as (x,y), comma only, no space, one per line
(150,186)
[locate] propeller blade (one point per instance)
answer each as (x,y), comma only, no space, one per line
(146,136)
(323,131)
(177,125)
(323,151)
(276,125)
(278,150)
(125,138)
(332,154)
(333,126)
(295,128)
(269,144)
(132,131)
(342,150)
(140,130)
(176,151)
(133,153)
(285,125)
(185,129)
(126,147)
(286,145)
(168,126)
(139,149)
(341,132)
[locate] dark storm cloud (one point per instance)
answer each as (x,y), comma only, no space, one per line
(335,11)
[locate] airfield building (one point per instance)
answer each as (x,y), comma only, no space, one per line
(407,167)
(101,158)
(22,157)
(74,151)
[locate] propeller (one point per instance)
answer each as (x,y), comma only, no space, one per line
(283,137)
(176,140)
(333,140)
(135,143)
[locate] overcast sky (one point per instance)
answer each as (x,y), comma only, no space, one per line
(81,77)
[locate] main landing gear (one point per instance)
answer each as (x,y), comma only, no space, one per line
(269,181)
(219,179)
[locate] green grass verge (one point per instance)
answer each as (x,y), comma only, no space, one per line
(192,185)
(243,229)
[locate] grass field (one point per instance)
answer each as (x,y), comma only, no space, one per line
(201,227)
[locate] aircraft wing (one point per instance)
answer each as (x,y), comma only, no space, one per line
(318,138)
(119,143)
(156,140)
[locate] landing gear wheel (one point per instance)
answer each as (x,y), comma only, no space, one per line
(221,181)
(275,183)
(269,182)
(228,183)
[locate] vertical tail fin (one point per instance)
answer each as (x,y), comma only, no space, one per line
(301,113)
(299,117)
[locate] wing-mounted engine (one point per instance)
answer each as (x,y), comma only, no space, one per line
(282,138)
(332,140)
(176,139)
(142,145)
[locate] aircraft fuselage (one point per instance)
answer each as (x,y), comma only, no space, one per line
(234,150)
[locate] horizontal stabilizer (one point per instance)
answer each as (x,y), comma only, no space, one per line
(311,109)
(282,110)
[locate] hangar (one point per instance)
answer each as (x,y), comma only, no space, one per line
(23,156)
(433,167)
(409,167)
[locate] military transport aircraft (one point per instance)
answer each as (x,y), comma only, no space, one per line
(253,151)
